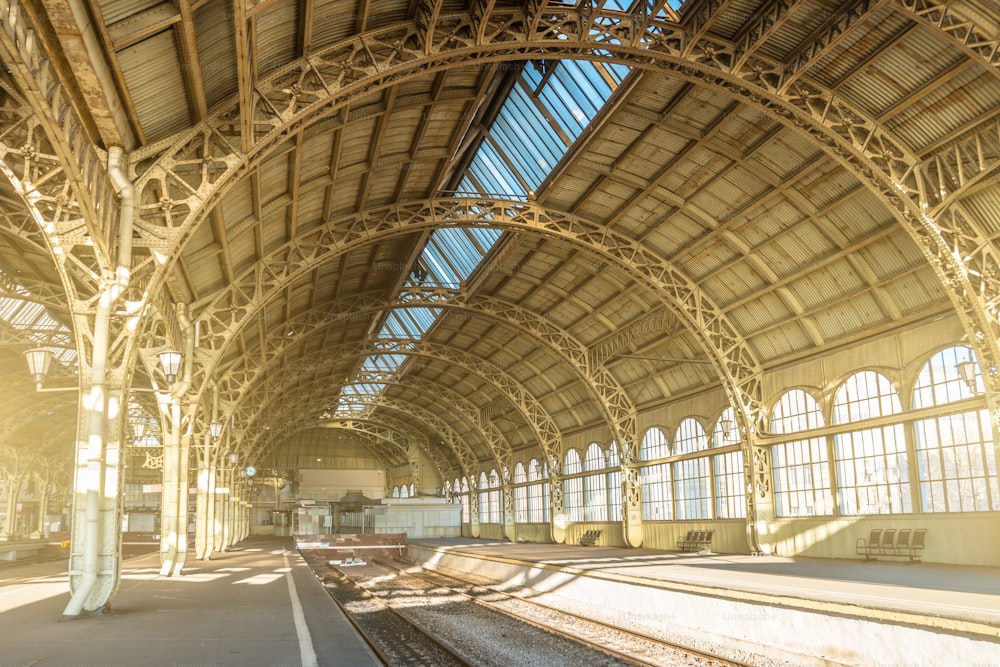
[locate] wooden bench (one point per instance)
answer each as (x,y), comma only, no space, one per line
(892,542)
(696,540)
(590,538)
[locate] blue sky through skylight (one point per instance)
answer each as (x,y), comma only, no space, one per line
(549,107)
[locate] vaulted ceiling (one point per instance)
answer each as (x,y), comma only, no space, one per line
(772,180)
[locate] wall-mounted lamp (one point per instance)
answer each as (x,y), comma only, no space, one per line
(39,360)
(726,425)
(967,371)
(215,430)
(233,458)
(170,361)
(138,431)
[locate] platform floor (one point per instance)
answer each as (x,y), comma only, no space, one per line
(237,609)
(963,593)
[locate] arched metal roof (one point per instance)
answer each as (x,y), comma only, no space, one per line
(731,187)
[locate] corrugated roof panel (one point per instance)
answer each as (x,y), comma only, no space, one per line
(216,51)
(850,316)
(984,207)
(965,98)
(779,341)
(915,291)
(766,310)
(154,77)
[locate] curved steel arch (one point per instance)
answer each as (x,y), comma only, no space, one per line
(494,440)
(535,415)
(304,91)
(255,433)
(617,406)
(420,439)
(389,429)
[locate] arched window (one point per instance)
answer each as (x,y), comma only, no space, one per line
(495,498)
(872,469)
(800,467)
(657,492)
(614,484)
(595,487)
(413,490)
(692,479)
(730,479)
(520,494)
(956,460)
(538,492)
(464,497)
(404,491)
(573,487)
(484,499)
(395,492)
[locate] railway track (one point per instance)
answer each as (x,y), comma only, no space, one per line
(630,646)
(394,638)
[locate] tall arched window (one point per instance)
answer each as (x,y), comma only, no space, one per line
(520,494)
(494,497)
(595,487)
(872,469)
(956,461)
(404,491)
(614,484)
(395,492)
(484,499)
(692,479)
(730,479)
(800,467)
(538,492)
(462,489)
(657,493)
(573,487)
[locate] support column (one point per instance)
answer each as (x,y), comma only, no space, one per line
(760,498)
(171,480)
(474,507)
(631,490)
(557,510)
(202,541)
(13,479)
(95,538)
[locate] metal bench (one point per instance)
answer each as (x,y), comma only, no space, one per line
(696,540)
(892,542)
(590,538)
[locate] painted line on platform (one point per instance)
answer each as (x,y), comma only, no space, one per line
(301,629)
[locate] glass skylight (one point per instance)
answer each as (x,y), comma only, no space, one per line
(548,108)
(36,323)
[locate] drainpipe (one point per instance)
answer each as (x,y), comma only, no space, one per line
(112,288)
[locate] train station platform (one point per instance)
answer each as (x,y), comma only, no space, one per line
(257,604)
(801,610)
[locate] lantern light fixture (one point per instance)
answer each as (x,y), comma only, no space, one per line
(170,361)
(967,371)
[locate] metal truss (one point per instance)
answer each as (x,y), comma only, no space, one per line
(617,406)
(187,179)
(495,440)
(71,198)
(46,152)
(310,398)
(310,89)
(236,306)
(414,438)
(394,437)
(14,420)
(549,438)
